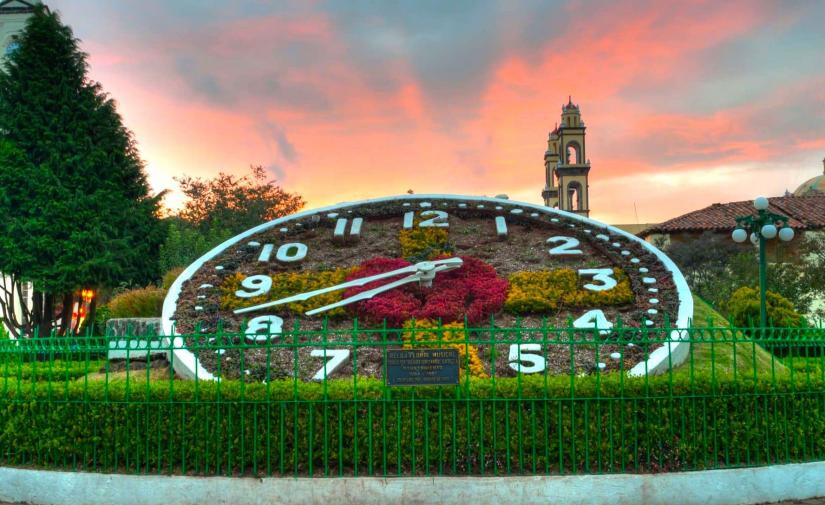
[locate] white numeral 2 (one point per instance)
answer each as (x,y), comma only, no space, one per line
(568,245)
(270,325)
(603,275)
(518,355)
(594,319)
(338,356)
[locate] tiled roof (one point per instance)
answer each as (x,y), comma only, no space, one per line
(804,212)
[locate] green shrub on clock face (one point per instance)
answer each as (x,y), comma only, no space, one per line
(547,290)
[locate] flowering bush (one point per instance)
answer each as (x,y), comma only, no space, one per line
(420,244)
(288,284)
(544,291)
(475,290)
(427,330)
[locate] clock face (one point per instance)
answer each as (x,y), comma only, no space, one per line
(396,269)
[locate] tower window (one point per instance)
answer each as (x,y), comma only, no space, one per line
(572,153)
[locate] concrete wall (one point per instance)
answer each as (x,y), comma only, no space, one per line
(715,487)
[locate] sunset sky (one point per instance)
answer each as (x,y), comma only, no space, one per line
(686,103)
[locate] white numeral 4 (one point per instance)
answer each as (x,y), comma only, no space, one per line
(603,275)
(594,319)
(519,355)
(568,246)
(337,358)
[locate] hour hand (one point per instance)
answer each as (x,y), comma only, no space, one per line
(453,262)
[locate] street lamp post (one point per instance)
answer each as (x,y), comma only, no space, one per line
(761,227)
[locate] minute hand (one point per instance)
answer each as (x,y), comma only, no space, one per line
(353,283)
(366,295)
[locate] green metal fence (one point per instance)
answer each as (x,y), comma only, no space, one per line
(742,397)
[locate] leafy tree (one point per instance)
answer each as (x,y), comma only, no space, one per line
(714,267)
(185,243)
(75,206)
(234,203)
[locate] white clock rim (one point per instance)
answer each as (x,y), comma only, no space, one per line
(187,365)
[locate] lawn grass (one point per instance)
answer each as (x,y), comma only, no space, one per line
(722,358)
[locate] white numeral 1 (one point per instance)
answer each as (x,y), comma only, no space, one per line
(338,357)
(594,319)
(518,355)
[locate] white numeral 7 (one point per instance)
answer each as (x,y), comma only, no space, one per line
(338,356)
(519,355)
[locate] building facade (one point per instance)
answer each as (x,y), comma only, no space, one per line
(13,15)
(566,165)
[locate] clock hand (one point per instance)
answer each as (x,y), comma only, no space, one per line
(422,275)
(353,283)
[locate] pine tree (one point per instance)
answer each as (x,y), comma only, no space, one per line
(75,207)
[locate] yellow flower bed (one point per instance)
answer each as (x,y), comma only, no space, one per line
(421,244)
(425,330)
(545,291)
(289,284)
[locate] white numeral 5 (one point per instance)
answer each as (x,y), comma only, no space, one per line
(338,356)
(519,355)
(603,275)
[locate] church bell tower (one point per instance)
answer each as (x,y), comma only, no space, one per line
(566,165)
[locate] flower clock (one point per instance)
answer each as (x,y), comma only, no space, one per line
(324,294)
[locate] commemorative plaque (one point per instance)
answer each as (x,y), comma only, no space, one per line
(422,367)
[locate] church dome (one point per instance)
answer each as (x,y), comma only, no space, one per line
(813,186)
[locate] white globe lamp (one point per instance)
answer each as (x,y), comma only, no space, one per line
(754,238)
(786,234)
(739,235)
(769,231)
(761,203)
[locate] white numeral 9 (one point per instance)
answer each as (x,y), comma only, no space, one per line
(255,285)
(270,325)
(603,275)
(518,355)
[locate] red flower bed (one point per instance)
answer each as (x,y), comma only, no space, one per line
(475,290)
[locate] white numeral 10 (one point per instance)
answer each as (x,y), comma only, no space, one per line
(287,253)
(520,354)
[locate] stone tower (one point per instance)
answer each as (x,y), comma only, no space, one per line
(13,14)
(566,165)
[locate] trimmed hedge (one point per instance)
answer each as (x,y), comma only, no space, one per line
(531,425)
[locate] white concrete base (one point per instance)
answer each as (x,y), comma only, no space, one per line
(714,487)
